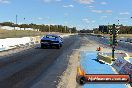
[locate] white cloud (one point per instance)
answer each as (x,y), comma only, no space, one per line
(67,6)
(47,1)
(121,18)
(124,13)
(65,22)
(4,1)
(58,0)
(93,21)
(104,17)
(40,18)
(97,11)
(91,6)
(108,11)
(124,21)
(103,3)
(66,14)
(85,1)
(102,11)
(47,17)
(86,20)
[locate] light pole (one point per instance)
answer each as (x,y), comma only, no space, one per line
(113,46)
(24,23)
(113,39)
(118,22)
(15,25)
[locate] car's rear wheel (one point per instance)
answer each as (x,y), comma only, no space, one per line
(58,46)
(43,47)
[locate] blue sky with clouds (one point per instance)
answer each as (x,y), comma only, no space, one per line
(79,13)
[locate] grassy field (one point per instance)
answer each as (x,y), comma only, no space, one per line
(119,35)
(18,33)
(125,35)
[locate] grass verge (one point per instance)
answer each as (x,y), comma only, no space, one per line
(18,33)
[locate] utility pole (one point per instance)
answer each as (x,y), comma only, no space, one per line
(118,22)
(24,23)
(16,19)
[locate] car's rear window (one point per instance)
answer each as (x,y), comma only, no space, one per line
(49,36)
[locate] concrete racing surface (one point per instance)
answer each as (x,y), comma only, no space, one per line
(24,69)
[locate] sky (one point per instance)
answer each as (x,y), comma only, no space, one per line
(82,14)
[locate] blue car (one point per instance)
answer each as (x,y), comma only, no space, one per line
(51,40)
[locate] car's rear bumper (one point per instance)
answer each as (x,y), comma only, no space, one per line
(50,44)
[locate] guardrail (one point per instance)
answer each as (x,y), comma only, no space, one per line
(123,66)
(11,43)
(121,44)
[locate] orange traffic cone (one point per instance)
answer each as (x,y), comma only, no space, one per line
(99,48)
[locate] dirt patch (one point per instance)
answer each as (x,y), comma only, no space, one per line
(68,79)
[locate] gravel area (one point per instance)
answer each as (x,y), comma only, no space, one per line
(68,79)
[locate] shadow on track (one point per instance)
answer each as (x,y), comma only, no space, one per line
(98,61)
(38,47)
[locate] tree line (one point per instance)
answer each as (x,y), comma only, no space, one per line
(105,30)
(43,27)
(85,31)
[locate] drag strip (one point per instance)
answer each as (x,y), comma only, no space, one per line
(19,70)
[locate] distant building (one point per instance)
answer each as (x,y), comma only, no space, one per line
(16,28)
(103,28)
